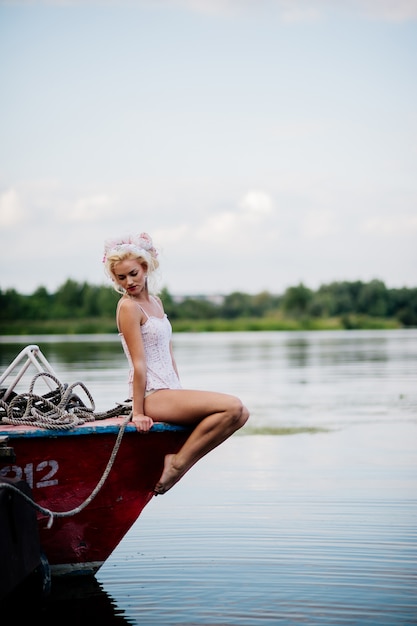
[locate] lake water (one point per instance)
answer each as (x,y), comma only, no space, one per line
(307,516)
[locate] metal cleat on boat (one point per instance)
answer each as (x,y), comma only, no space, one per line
(7,453)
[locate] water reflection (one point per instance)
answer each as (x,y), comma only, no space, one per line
(79,600)
(267,530)
(297,352)
(313,379)
(317,527)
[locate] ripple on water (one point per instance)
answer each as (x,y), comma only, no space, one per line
(226,552)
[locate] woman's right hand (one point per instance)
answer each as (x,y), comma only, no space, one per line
(142,422)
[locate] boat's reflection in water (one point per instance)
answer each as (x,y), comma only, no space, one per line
(77,600)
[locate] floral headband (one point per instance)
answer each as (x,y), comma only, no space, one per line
(133,243)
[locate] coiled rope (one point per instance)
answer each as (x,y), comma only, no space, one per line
(61,409)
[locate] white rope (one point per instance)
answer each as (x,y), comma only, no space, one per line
(67,412)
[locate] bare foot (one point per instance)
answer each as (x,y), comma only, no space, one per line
(170,475)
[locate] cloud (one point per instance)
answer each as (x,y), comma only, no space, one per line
(172,235)
(318,224)
(11,212)
(256,205)
(385,226)
(287,10)
(388,10)
(291,130)
(219,227)
(308,10)
(234,226)
(299,12)
(219,234)
(91,208)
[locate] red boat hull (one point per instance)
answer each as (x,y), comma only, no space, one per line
(64,468)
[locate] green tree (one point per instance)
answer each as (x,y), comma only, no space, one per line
(13,306)
(262,303)
(196,309)
(90,302)
(296,300)
(170,306)
(40,304)
(322,304)
(372,299)
(403,305)
(69,300)
(107,298)
(237,304)
(343,299)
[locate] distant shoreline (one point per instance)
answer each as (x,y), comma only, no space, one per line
(104,325)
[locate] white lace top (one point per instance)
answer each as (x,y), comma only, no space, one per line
(156,336)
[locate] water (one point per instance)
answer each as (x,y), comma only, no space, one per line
(308,515)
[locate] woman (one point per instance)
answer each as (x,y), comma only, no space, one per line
(155,387)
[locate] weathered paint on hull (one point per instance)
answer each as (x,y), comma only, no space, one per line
(64,468)
(19,538)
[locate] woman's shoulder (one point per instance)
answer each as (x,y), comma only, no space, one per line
(128,306)
(158,300)
(125,303)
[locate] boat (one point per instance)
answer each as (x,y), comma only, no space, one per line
(20,554)
(90,475)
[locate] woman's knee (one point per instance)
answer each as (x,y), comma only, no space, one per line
(238,412)
(245,414)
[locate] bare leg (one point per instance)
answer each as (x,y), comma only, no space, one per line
(215,417)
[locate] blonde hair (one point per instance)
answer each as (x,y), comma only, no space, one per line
(139,247)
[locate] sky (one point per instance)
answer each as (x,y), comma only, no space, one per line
(261,143)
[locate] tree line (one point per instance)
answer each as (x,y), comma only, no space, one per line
(74,300)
